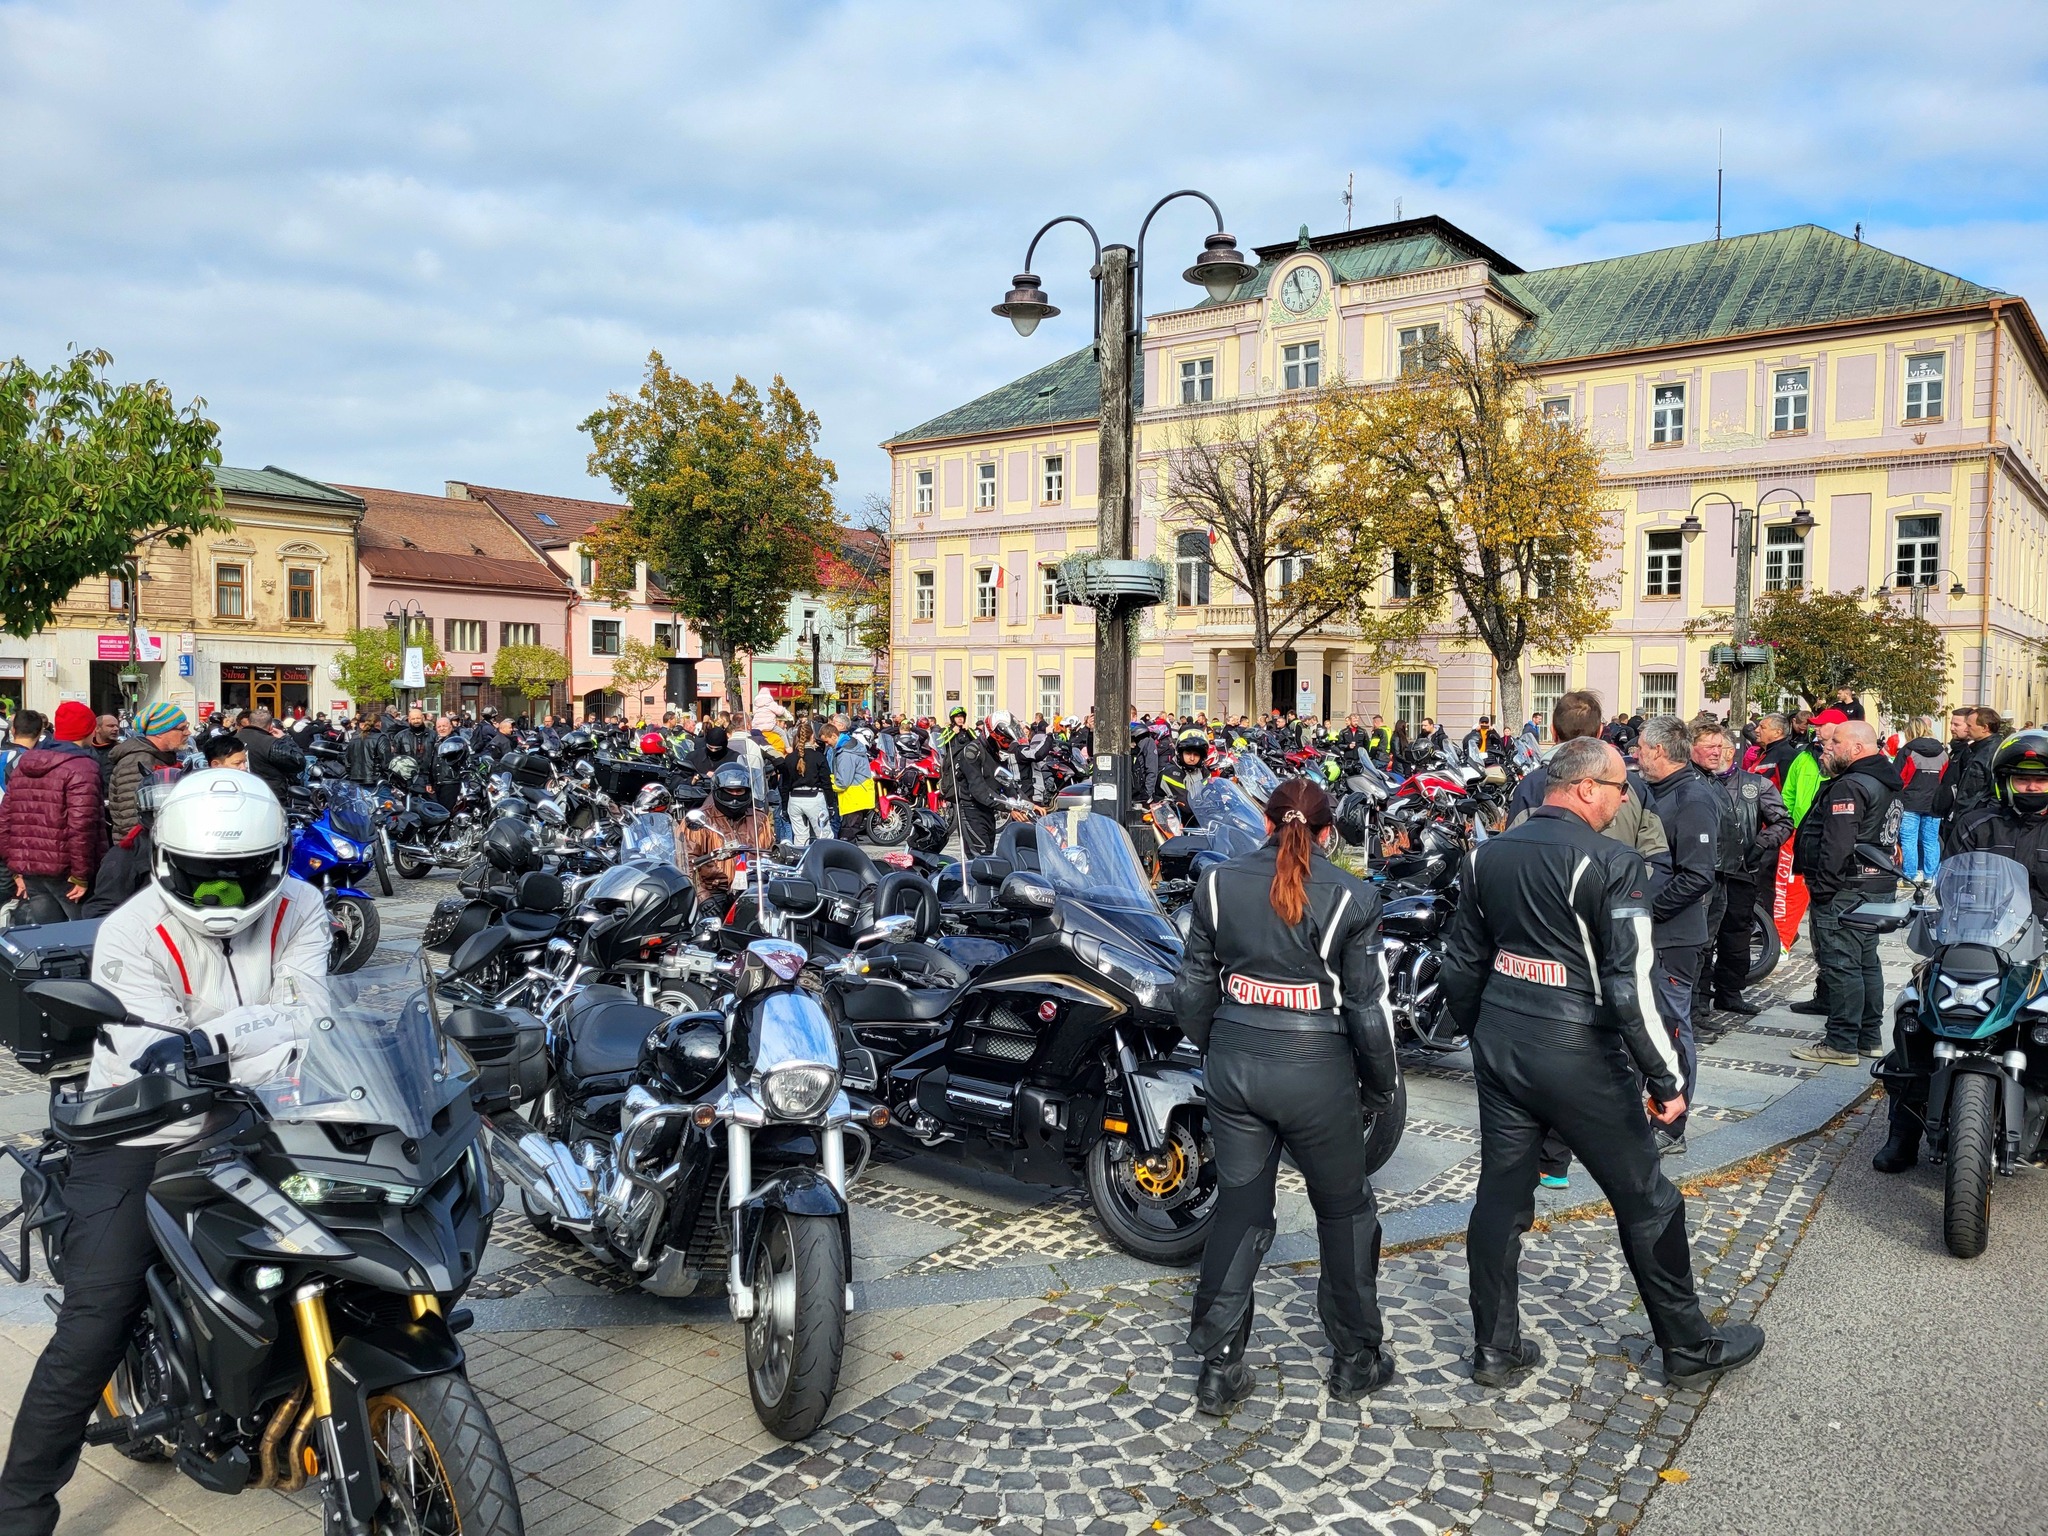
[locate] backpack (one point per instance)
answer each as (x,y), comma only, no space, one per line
(8,757)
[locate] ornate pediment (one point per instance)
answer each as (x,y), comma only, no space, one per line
(299,549)
(233,545)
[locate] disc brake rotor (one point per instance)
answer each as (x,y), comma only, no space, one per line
(1165,1177)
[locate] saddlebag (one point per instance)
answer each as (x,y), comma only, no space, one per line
(45,952)
(509,1048)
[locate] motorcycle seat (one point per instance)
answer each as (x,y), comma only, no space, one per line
(1018,842)
(530,927)
(606,1029)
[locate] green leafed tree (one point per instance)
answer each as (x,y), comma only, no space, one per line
(89,471)
(374,659)
(1867,641)
(728,503)
(634,671)
(529,671)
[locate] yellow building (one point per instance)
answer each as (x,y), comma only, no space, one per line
(1904,408)
(250,616)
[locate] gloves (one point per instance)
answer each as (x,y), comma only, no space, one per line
(166,1053)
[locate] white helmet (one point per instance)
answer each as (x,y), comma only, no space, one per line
(220,850)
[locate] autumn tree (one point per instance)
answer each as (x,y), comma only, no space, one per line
(1241,485)
(728,503)
(1480,511)
(634,671)
(89,471)
(530,671)
(1865,640)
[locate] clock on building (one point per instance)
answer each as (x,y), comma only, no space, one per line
(1304,285)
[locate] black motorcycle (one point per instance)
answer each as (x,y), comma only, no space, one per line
(301,1319)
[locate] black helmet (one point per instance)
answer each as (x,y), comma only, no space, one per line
(509,846)
(1192,740)
(1354,819)
(2025,752)
(453,751)
(404,769)
(732,790)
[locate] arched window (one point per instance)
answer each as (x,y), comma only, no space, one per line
(1191,570)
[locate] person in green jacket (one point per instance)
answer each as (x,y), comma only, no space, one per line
(1802,784)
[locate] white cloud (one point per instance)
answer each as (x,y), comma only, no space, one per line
(398,245)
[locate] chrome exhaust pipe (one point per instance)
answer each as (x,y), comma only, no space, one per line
(544,1170)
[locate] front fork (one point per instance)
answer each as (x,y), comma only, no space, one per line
(739,1187)
(316,1339)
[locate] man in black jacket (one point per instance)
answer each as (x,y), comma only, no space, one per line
(272,757)
(1548,967)
(976,766)
(1690,809)
(1754,826)
(1859,804)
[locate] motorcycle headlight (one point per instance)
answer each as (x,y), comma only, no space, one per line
(1150,983)
(1975,995)
(318,1189)
(344,849)
(798,1092)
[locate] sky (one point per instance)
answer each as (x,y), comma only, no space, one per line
(399,244)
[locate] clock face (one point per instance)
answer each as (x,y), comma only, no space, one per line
(1303,287)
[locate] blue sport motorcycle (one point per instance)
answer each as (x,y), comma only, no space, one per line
(334,848)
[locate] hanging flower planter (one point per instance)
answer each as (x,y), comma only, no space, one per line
(1111,585)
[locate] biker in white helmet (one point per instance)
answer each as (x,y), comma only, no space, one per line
(221,940)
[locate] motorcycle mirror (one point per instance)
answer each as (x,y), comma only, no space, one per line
(1878,916)
(1026,892)
(82,1007)
(893,929)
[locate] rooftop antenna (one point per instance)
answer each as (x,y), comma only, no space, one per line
(1397,210)
(1859,231)
(1717,186)
(1349,178)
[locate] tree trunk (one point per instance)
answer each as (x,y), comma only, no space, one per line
(1262,666)
(1508,672)
(729,661)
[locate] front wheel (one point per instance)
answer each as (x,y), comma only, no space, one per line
(410,867)
(355,933)
(1157,1206)
(1383,1130)
(1966,1193)
(887,831)
(440,1465)
(383,863)
(798,1331)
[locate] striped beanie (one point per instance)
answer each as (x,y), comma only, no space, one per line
(160,717)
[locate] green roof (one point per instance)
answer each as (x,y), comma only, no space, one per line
(1773,281)
(1369,259)
(1067,390)
(281,485)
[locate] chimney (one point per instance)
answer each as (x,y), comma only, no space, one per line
(457,489)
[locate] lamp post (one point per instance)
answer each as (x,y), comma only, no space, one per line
(1917,591)
(404,614)
(1119,274)
(1743,542)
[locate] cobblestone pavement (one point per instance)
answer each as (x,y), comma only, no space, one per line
(1079,1416)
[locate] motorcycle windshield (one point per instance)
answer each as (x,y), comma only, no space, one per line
(1982,899)
(1090,859)
(1235,825)
(648,837)
(368,1052)
(1258,780)
(350,811)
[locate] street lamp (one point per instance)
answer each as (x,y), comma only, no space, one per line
(1918,590)
(1119,319)
(404,615)
(1743,546)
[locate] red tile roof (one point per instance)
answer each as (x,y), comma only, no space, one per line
(447,525)
(549,522)
(436,568)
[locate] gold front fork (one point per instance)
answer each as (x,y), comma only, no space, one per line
(425,1304)
(309,1303)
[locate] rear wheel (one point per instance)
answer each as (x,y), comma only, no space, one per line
(1156,1206)
(409,867)
(442,1469)
(798,1331)
(1966,1195)
(1764,948)
(355,933)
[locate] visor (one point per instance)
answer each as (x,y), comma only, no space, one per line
(230,883)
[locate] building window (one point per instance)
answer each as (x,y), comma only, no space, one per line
(985,485)
(1923,386)
(1198,381)
(519,634)
(924,594)
(1049,695)
(1055,488)
(984,592)
(921,697)
(1404,579)
(1287,570)
(1558,408)
(984,698)
(1191,570)
(922,481)
(1551,569)
(1545,689)
(465,635)
(1301,365)
(589,570)
(1784,558)
(1659,693)
(1664,569)
(665,639)
(1411,698)
(605,637)
(1191,694)
(298,595)
(1417,342)
(1667,414)
(227,591)
(1789,392)
(1919,551)
(1049,605)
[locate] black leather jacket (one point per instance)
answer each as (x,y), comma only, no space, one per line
(1325,974)
(1555,925)
(1690,808)
(1994,829)
(1858,805)
(1753,827)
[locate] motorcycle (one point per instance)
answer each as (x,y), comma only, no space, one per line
(1966,1021)
(333,849)
(301,1320)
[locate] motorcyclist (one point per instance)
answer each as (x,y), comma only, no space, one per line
(1187,771)
(2014,824)
(221,940)
(1149,758)
(1287,996)
(726,826)
(981,793)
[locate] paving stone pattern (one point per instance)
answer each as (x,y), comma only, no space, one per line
(1079,1416)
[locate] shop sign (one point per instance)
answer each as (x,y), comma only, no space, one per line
(207,707)
(13,666)
(337,706)
(415,672)
(476,669)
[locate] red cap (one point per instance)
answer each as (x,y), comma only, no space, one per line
(1830,717)
(74,721)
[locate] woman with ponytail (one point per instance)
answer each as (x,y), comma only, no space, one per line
(1284,987)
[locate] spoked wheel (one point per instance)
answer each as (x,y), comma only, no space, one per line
(887,831)
(410,868)
(440,1465)
(1764,949)
(1966,1174)
(1155,1206)
(798,1331)
(354,919)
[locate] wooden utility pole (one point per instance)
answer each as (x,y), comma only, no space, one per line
(1114,352)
